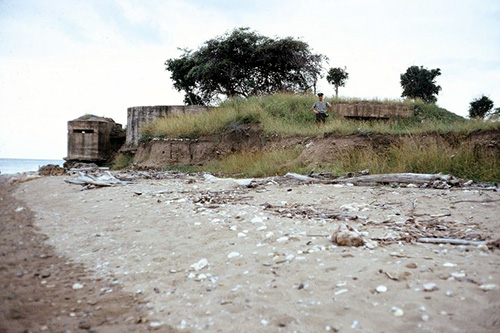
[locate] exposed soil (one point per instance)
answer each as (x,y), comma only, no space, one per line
(316,151)
(42,290)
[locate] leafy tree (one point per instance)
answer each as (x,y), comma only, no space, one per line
(480,107)
(338,77)
(419,82)
(244,63)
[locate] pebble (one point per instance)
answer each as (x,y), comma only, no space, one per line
(341,291)
(381,289)
(282,239)
(458,274)
(483,247)
(425,317)
(397,312)
(430,287)
(488,287)
(200,264)
(77,286)
(233,255)
(155,324)
(411,265)
(449,264)
(449,293)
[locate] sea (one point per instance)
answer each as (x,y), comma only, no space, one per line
(10,166)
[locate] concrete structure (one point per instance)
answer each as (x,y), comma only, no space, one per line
(140,115)
(93,139)
(371,110)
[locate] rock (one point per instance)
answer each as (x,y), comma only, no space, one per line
(233,255)
(155,325)
(430,287)
(411,265)
(202,263)
(344,235)
(488,287)
(397,312)
(341,291)
(381,289)
(83,325)
(77,286)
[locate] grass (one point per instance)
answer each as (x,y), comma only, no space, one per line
(291,115)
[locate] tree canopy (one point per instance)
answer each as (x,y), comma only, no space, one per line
(244,63)
(480,107)
(419,82)
(338,77)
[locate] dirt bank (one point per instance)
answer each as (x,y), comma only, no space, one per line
(318,150)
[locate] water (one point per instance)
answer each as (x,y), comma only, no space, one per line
(17,165)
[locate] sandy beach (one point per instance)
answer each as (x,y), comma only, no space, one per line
(200,253)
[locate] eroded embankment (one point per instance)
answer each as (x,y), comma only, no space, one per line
(321,149)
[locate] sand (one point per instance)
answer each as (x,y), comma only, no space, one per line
(207,254)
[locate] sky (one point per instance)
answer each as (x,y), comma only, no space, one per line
(61,59)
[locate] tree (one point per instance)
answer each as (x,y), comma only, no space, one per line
(244,63)
(419,82)
(338,77)
(480,107)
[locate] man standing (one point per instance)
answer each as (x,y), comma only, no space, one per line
(319,109)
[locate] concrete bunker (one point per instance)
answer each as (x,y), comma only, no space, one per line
(93,139)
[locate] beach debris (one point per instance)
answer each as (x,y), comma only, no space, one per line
(104,180)
(345,235)
(247,182)
(452,241)
(381,289)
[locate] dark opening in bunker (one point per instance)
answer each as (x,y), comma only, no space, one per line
(84,131)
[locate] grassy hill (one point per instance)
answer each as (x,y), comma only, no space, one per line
(448,147)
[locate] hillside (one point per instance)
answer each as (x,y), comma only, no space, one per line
(276,134)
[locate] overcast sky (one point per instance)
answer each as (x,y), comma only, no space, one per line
(61,59)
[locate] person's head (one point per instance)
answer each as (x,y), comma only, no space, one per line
(320,96)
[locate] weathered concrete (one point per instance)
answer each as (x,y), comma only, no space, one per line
(92,138)
(370,110)
(140,115)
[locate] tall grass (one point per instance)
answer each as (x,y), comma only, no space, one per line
(463,161)
(290,115)
(258,164)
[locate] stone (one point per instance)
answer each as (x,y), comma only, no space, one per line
(397,312)
(488,287)
(77,286)
(430,287)
(202,263)
(381,289)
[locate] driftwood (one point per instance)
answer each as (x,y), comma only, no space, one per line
(453,241)
(417,178)
(407,178)
(101,181)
